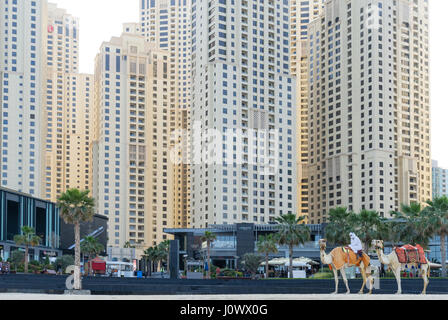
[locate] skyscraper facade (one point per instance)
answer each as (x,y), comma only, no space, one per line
(302,13)
(243,113)
(133,181)
(439,180)
(22,67)
(68,124)
(369,116)
(167,25)
(68,101)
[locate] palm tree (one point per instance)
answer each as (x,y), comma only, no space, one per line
(251,263)
(292,233)
(436,220)
(411,225)
(339,227)
(151,256)
(267,244)
(163,250)
(76,207)
(391,230)
(128,245)
(208,237)
(92,248)
(366,226)
(28,238)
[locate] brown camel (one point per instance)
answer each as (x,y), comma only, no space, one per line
(340,259)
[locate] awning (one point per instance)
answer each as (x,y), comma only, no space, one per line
(300,262)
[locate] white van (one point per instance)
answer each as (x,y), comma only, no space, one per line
(120,269)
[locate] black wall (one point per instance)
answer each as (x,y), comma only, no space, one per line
(174,259)
(68,231)
(13,220)
(245,239)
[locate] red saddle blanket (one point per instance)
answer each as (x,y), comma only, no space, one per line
(411,254)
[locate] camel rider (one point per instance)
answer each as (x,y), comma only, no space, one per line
(356,245)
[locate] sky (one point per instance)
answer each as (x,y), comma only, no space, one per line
(102,19)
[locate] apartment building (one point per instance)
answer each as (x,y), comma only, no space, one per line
(133,181)
(68,101)
(302,13)
(369,114)
(167,25)
(243,113)
(22,61)
(439,180)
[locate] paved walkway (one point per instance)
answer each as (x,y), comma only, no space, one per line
(16,296)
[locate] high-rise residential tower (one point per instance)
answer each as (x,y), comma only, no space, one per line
(439,180)
(167,24)
(45,103)
(369,114)
(302,13)
(243,113)
(68,113)
(133,181)
(22,63)
(69,130)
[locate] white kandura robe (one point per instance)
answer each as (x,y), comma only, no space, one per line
(356,244)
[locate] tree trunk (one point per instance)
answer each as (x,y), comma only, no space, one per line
(267,266)
(443,249)
(290,261)
(77,275)
(90,266)
(26,259)
(208,261)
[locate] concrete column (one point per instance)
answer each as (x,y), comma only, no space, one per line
(174,259)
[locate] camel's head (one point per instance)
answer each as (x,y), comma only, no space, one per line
(378,244)
(323,244)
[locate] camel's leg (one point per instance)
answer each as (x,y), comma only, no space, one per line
(364,278)
(336,279)
(344,276)
(425,277)
(397,274)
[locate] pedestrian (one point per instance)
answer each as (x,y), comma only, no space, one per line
(59,269)
(382,271)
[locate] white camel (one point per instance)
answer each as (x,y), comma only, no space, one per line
(328,259)
(392,261)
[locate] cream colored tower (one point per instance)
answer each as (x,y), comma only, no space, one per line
(133,180)
(68,156)
(302,12)
(369,120)
(68,109)
(167,24)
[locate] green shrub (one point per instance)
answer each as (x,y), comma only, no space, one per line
(34,263)
(64,261)
(323,275)
(228,273)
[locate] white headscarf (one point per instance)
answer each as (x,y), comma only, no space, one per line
(355,244)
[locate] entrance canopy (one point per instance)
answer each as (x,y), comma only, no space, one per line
(300,262)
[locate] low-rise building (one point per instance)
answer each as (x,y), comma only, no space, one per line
(234,241)
(18,210)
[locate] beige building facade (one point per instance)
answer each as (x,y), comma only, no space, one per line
(369,108)
(302,13)
(68,109)
(133,180)
(167,25)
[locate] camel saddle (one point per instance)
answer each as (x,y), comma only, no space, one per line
(345,255)
(411,254)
